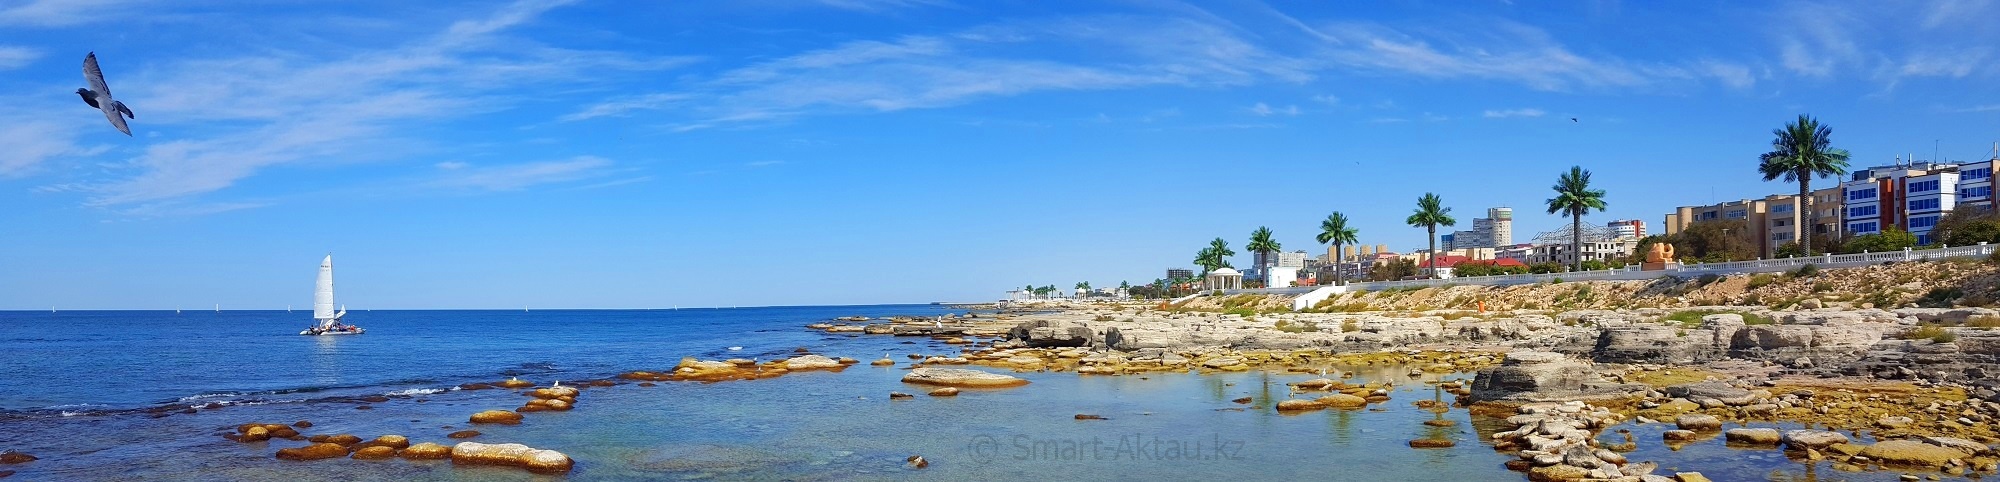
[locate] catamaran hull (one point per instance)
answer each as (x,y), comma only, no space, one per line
(356,331)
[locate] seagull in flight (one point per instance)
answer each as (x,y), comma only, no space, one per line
(1573,119)
(99,95)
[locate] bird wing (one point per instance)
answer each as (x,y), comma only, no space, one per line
(123,110)
(117,120)
(94,76)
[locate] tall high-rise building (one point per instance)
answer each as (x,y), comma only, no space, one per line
(1493,231)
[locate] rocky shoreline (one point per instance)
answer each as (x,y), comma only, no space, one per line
(1845,374)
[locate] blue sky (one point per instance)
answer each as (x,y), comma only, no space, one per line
(652,154)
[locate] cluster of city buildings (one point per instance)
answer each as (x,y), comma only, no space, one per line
(1906,195)
(1490,241)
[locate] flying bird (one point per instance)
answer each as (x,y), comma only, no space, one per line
(99,95)
(1572,119)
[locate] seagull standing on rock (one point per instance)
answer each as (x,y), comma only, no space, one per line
(99,95)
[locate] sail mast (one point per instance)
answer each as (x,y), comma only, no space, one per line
(323,293)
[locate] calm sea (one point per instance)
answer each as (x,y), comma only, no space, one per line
(76,389)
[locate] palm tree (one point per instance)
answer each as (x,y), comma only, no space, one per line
(1205,258)
(1430,214)
(1081,288)
(1336,231)
(1575,198)
(1262,244)
(1219,252)
(1800,151)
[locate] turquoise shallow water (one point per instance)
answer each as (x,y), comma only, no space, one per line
(805,426)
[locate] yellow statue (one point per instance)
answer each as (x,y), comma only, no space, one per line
(1660,253)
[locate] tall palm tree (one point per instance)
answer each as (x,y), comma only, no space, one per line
(1334,229)
(1800,151)
(1575,198)
(1430,214)
(1081,288)
(1205,258)
(1220,249)
(1262,244)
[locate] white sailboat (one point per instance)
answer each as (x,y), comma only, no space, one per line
(326,321)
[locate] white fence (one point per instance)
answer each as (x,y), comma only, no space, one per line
(1630,273)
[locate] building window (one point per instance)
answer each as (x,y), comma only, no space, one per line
(1923,222)
(1862,228)
(1708,215)
(1923,204)
(1855,212)
(1737,214)
(1781,236)
(1975,192)
(1924,186)
(1860,194)
(1781,208)
(1980,173)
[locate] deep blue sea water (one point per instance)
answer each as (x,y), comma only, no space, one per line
(76,389)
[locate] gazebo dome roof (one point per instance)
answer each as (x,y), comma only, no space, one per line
(1225,272)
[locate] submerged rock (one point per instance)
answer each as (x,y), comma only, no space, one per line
(1813,439)
(1296,405)
(497,416)
(12,457)
(1911,453)
(1758,436)
(945,392)
(463,434)
(375,452)
(426,451)
(812,362)
(316,451)
(512,455)
(959,377)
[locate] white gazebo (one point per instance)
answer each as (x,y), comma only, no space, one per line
(1224,279)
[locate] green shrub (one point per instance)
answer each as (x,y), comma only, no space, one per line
(1243,312)
(1288,327)
(1761,280)
(1821,287)
(1102,318)
(1807,271)
(1349,326)
(1940,297)
(1984,322)
(1692,318)
(1706,279)
(1930,332)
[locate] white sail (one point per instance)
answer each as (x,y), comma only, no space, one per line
(323,292)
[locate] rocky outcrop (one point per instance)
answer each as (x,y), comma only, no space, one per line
(1534,376)
(959,377)
(512,455)
(1048,333)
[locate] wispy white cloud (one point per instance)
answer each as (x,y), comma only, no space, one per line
(519,176)
(28,143)
(880,5)
(1502,114)
(756,164)
(1265,110)
(1326,99)
(623,107)
(57,13)
(12,57)
(1976,108)
(354,106)
(452,165)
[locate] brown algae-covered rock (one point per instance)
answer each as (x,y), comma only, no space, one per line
(316,451)
(512,455)
(497,416)
(426,451)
